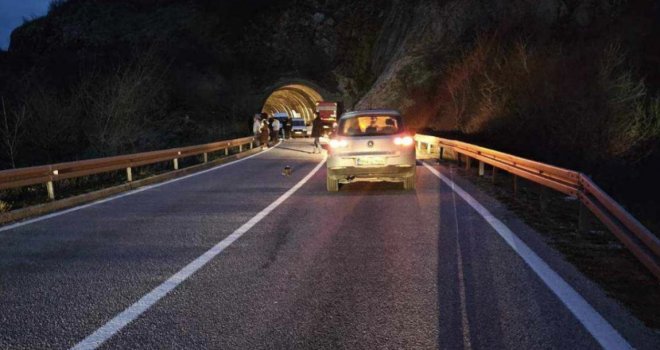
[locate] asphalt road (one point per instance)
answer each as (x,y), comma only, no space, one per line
(372,266)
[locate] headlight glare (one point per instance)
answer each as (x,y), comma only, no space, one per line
(334,143)
(403,141)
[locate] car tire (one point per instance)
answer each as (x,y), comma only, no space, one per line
(332,184)
(409,183)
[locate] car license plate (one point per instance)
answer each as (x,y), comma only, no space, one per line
(371,161)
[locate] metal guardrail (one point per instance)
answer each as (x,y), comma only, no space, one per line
(643,244)
(47,174)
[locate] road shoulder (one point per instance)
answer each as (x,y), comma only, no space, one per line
(633,330)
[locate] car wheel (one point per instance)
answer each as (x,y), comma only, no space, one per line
(332,184)
(410,182)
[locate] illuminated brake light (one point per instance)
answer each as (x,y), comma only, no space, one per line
(338,143)
(403,141)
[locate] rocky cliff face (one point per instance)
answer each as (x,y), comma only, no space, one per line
(510,73)
(573,83)
(432,33)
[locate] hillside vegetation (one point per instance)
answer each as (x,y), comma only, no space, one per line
(571,83)
(95,78)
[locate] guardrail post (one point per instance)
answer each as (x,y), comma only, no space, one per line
(442,149)
(515,185)
(227,151)
(544,198)
(129,174)
(481,168)
(583,223)
(251,144)
(240,148)
(428,148)
(176,163)
(51,190)
(585,219)
(419,145)
(467,162)
(206,157)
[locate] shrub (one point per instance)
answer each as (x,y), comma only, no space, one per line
(634,118)
(576,106)
(4,207)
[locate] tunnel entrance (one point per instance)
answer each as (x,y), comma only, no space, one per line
(296,100)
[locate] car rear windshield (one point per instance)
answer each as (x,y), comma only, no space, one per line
(370,125)
(298,123)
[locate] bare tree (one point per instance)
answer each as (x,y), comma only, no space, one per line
(121,106)
(12,131)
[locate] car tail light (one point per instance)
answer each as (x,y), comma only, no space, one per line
(403,141)
(334,143)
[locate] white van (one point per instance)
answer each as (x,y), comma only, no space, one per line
(298,128)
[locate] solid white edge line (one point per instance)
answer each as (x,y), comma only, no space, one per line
(116,324)
(601,330)
(128,193)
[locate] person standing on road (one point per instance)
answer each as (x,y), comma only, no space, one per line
(264,131)
(256,128)
(287,128)
(317,129)
(270,128)
(276,130)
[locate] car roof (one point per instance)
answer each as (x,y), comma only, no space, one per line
(392,112)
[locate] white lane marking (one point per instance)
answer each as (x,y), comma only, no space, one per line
(120,321)
(596,325)
(131,192)
(467,342)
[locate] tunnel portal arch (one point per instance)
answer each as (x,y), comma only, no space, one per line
(297,97)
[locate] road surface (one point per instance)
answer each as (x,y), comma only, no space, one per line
(242,257)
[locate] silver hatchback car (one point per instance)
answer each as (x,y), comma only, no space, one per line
(371,145)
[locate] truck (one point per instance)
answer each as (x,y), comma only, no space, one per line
(328,113)
(281,116)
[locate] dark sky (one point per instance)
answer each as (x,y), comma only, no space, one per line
(12,13)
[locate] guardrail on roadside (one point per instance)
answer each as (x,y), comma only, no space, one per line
(643,244)
(47,174)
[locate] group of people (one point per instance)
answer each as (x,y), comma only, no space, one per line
(267,130)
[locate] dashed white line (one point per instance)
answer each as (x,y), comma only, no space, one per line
(596,325)
(120,321)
